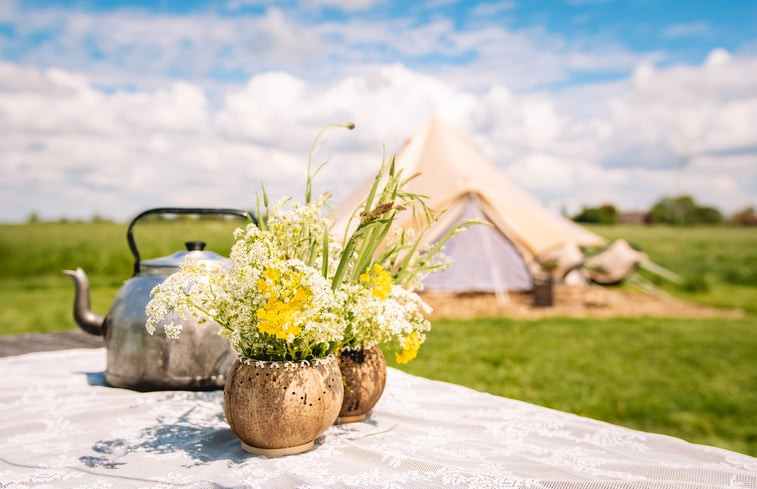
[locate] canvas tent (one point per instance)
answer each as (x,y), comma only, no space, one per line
(501,257)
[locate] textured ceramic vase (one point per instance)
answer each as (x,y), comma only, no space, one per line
(364,373)
(280,408)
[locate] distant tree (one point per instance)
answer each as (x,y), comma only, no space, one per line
(33,218)
(707,215)
(673,210)
(604,214)
(745,217)
(683,210)
(98,218)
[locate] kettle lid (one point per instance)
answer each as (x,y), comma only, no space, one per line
(169,264)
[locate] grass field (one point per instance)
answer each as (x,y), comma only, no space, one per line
(692,378)
(34,294)
(719,264)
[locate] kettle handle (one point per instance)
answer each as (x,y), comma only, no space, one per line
(178,210)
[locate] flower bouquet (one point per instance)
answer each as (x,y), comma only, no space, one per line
(291,296)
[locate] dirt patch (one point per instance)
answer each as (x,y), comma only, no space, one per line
(569,301)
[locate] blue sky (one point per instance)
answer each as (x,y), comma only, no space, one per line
(580,102)
(666,31)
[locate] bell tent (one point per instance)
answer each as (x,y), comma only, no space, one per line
(505,256)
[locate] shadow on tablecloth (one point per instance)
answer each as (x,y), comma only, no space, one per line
(203,444)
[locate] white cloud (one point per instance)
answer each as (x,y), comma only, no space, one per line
(8,10)
(240,4)
(20,80)
(492,8)
(346,5)
(688,110)
(71,149)
(135,48)
(132,47)
(689,29)
(262,108)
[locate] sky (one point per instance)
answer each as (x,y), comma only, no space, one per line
(111,107)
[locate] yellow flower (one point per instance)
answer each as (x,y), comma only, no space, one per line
(278,315)
(276,318)
(272,274)
(412,343)
(379,281)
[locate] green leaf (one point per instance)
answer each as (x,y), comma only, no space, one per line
(325,260)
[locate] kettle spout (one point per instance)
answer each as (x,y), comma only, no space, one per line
(86,319)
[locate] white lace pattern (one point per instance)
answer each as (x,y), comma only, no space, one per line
(61,427)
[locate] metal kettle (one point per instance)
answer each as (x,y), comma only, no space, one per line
(198,360)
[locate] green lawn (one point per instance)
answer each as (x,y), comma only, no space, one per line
(34,294)
(718,263)
(695,379)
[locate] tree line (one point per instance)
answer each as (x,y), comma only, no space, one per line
(682,210)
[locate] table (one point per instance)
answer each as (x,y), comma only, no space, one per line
(61,426)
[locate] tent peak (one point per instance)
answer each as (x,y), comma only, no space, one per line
(457,178)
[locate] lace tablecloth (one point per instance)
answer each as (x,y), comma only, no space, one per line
(60,426)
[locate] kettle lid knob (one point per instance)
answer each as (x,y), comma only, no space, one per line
(195,245)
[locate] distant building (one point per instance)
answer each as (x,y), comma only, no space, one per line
(633,217)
